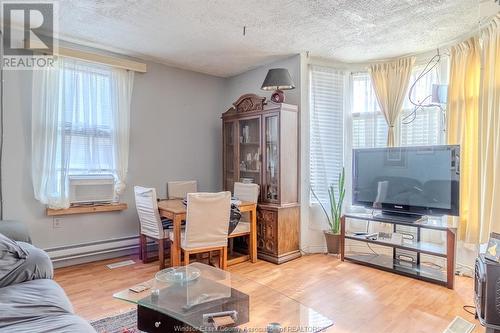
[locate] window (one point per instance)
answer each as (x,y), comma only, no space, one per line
(86,125)
(80,126)
(326,128)
(426,126)
(369,128)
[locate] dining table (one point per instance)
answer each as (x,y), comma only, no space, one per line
(175,210)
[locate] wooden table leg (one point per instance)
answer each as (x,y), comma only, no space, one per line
(161,252)
(144,248)
(253,235)
(175,250)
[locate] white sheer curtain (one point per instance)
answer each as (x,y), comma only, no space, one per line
(123,83)
(80,125)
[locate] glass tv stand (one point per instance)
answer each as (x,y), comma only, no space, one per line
(424,249)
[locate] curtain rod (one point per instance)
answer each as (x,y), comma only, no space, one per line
(99,58)
(103,59)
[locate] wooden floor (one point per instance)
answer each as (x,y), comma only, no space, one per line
(356,298)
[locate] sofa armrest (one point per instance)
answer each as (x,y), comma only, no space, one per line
(15,230)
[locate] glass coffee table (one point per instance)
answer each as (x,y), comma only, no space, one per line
(218,301)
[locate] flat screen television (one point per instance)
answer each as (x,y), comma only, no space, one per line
(409,180)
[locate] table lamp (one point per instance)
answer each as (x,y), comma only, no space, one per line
(278,79)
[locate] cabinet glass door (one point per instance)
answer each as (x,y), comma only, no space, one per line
(249,156)
(229,155)
(271,172)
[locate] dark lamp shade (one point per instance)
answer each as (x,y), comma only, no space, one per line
(278,79)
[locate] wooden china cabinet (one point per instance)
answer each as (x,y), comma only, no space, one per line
(260,145)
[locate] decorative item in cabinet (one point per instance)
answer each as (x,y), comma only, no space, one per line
(261,146)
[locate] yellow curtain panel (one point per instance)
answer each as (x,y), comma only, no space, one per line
(489,131)
(390,82)
(463,129)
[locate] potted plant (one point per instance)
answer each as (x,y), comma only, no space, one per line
(332,235)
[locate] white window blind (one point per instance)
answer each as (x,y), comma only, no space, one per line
(326,128)
(369,128)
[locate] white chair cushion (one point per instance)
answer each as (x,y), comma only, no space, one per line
(207,220)
(180,189)
(242,227)
(147,210)
(246,192)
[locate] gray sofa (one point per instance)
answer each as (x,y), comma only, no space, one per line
(30,301)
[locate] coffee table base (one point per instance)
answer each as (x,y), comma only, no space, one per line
(152,321)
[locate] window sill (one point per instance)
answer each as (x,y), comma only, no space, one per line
(87,209)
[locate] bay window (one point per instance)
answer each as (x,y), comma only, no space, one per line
(337,127)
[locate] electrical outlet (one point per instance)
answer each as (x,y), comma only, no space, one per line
(57,222)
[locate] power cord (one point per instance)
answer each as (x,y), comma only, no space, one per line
(368,244)
(466,307)
(431,64)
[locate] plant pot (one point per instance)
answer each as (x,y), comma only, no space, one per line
(332,242)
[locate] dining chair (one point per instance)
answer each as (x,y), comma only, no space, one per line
(207,223)
(244,192)
(180,189)
(152,226)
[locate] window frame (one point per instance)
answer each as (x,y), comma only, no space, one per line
(95,132)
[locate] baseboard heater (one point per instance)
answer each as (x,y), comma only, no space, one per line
(82,250)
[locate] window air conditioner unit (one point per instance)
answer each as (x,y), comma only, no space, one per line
(87,189)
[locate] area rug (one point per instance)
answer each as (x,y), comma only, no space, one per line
(122,323)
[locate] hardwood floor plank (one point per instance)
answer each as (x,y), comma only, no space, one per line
(357,298)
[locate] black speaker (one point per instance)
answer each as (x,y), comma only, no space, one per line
(487,293)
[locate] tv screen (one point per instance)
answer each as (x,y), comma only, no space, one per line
(417,180)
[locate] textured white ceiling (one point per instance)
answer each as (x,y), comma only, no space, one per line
(207,35)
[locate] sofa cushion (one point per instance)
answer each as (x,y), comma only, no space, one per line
(15,230)
(12,256)
(20,262)
(38,306)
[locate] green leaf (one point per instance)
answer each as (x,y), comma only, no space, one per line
(335,202)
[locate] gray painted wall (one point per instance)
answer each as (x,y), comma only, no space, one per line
(175,135)
(251,81)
